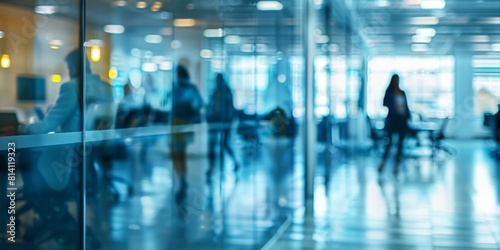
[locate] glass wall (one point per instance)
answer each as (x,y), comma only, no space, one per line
(150,124)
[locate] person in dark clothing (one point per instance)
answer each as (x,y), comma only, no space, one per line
(220,114)
(186,106)
(396,121)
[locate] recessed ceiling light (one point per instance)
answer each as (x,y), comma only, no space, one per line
(213,33)
(419,47)
(232,39)
(114,29)
(153,39)
(479,39)
(141,5)
(413,2)
(432,4)
(247,48)
(421,39)
(206,53)
(190,6)
(426,20)
(184,22)
(149,67)
(93,42)
(322,39)
(167,31)
(120,3)
(269,5)
(430,32)
(481,47)
(45,9)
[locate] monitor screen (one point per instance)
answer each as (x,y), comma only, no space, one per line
(31,88)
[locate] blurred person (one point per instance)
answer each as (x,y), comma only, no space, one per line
(186,107)
(65,114)
(396,121)
(221,112)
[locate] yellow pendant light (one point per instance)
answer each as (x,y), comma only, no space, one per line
(5,61)
(95,53)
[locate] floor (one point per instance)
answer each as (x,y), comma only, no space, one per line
(442,203)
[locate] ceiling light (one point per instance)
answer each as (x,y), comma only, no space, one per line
(167,31)
(427,20)
(430,32)
(2,34)
(419,47)
(93,42)
(261,48)
(153,39)
(141,5)
(489,20)
(232,39)
(119,3)
(495,47)
(56,78)
(158,4)
(318,2)
(432,4)
(113,73)
(5,61)
(95,53)
(166,65)
(45,9)
(149,67)
(176,44)
(247,48)
(481,47)
(322,39)
(206,53)
(56,42)
(135,52)
(190,6)
(213,33)
(184,22)
(421,39)
(269,5)
(334,47)
(54,47)
(479,39)
(382,3)
(413,2)
(114,29)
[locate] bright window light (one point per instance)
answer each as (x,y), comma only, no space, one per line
(430,32)
(153,39)
(213,33)
(432,4)
(481,47)
(269,5)
(114,29)
(421,39)
(479,39)
(495,47)
(419,47)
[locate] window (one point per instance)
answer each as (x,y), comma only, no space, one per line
(486,84)
(427,80)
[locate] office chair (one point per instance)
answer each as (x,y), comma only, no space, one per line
(102,116)
(437,138)
(376,135)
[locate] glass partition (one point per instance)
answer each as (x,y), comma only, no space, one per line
(41,134)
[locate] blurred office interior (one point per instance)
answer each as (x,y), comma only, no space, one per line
(307,80)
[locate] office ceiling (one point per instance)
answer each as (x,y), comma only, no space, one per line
(377,26)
